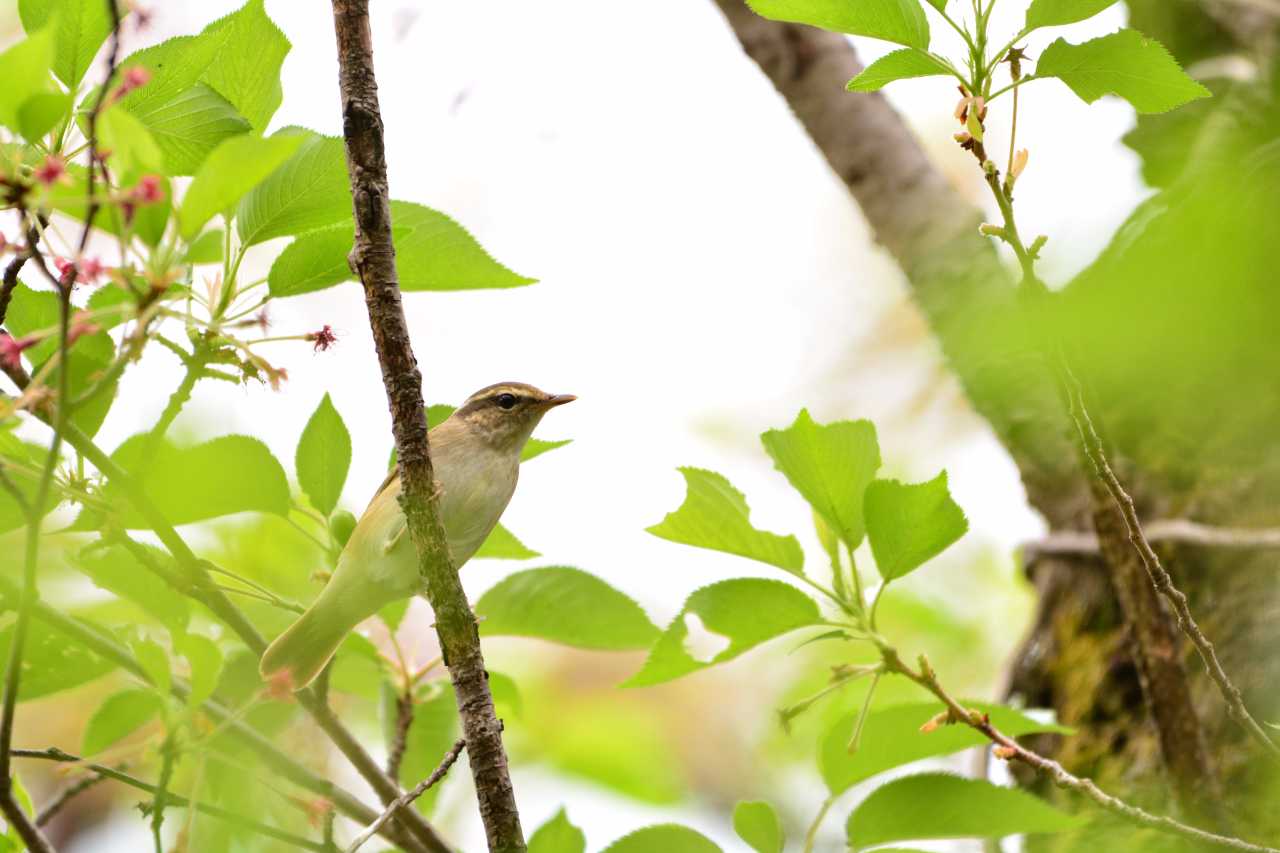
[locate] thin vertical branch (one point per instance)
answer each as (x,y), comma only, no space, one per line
(373,259)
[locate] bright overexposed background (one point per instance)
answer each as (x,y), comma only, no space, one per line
(703,276)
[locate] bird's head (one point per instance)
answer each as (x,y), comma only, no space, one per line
(506,413)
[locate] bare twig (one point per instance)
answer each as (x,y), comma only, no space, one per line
(404,719)
(372,258)
(172,800)
(409,796)
(66,795)
(1011,750)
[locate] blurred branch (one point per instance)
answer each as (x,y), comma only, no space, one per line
(409,796)
(372,258)
(106,646)
(171,800)
(1180,531)
(404,720)
(66,795)
(1010,750)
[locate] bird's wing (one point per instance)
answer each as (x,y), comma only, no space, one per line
(392,476)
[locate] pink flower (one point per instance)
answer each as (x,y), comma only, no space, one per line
(91,270)
(323,339)
(150,190)
(134,77)
(11,349)
(53,170)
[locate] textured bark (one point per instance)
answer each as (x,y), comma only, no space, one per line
(1081,658)
(373,259)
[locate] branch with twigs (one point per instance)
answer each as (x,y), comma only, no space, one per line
(1010,750)
(102,773)
(409,796)
(1177,531)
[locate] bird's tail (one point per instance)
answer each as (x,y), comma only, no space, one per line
(301,652)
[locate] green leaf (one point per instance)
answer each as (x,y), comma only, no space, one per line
(757,824)
(891,737)
(51,662)
(831,465)
(503,545)
(234,168)
(81,28)
(899,65)
(247,69)
(205,660)
(535,447)
(132,150)
(188,127)
(311,190)
(40,112)
(909,524)
(745,611)
(1053,13)
(234,473)
(155,660)
(432,253)
(206,249)
(715,515)
(565,606)
(116,570)
(664,838)
(900,21)
(121,714)
(957,808)
(1125,63)
(24,68)
(558,836)
(324,456)
(22,461)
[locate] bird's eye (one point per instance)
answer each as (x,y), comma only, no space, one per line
(506,401)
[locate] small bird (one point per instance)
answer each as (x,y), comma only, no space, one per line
(476,457)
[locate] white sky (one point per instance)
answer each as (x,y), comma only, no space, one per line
(703,276)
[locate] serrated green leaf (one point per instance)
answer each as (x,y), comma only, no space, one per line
(51,662)
(664,838)
(131,149)
(1125,63)
(744,611)
(234,473)
(24,68)
(81,26)
(324,456)
(909,524)
(205,661)
(191,126)
(247,69)
(433,252)
(958,808)
(120,715)
(566,606)
(891,737)
(898,65)
(899,21)
(715,515)
(309,191)
(155,661)
(557,835)
(830,465)
(502,544)
(757,824)
(116,570)
(231,170)
(1053,13)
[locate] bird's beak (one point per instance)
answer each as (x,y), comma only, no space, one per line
(558,400)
